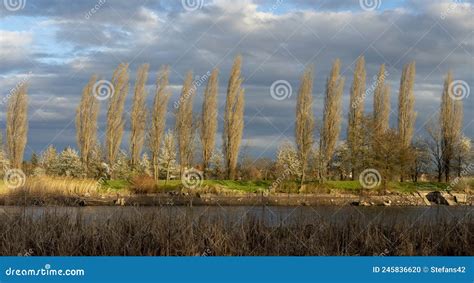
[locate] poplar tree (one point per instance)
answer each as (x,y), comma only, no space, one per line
(381,104)
(184,122)
(209,119)
(332,116)
(115,119)
(233,119)
(86,122)
(138,116)
(17,125)
(406,115)
(356,116)
(304,125)
(158,118)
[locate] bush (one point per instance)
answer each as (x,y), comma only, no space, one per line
(143,184)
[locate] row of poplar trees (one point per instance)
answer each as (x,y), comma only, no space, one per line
(147,126)
(370,140)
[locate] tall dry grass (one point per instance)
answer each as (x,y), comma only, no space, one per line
(52,190)
(161,232)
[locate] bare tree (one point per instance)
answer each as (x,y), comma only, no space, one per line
(304,120)
(17,125)
(233,119)
(86,122)
(332,116)
(356,115)
(184,122)
(209,119)
(138,116)
(406,114)
(381,103)
(451,125)
(115,119)
(158,118)
(434,147)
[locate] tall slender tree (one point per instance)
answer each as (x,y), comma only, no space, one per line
(158,118)
(209,119)
(304,124)
(451,125)
(115,119)
(17,125)
(138,116)
(381,103)
(184,122)
(86,122)
(233,119)
(406,115)
(332,116)
(356,116)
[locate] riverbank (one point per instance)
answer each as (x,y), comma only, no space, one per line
(54,191)
(421,198)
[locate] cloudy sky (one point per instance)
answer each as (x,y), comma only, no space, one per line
(56,46)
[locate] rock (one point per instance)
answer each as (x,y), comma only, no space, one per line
(460,198)
(387,202)
(436,197)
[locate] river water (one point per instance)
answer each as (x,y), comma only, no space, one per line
(271,215)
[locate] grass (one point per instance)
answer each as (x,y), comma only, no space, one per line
(162,232)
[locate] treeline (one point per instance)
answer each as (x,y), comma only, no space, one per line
(371,143)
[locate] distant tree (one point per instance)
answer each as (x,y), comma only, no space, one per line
(288,163)
(49,160)
(332,117)
(168,155)
(122,166)
(115,119)
(406,115)
(233,119)
(86,122)
(463,148)
(386,156)
(356,114)
(304,124)
(69,164)
(209,119)
(435,147)
(17,125)
(421,159)
(138,116)
(143,166)
(158,119)
(34,159)
(185,126)
(216,164)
